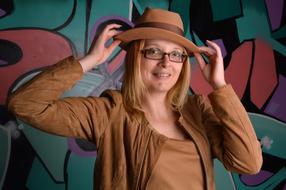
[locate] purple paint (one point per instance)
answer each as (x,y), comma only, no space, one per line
(275,11)
(2,12)
(256,179)
(220,43)
(106,18)
(102,20)
(277,104)
(73,146)
(2,62)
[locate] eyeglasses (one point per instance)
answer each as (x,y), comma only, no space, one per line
(157,54)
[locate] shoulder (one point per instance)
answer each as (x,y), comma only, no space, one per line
(113,96)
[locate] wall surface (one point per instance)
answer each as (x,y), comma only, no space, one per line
(38,33)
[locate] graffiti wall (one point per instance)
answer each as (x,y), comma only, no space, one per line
(36,34)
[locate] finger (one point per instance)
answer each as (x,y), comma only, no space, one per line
(108,28)
(112,26)
(108,35)
(112,33)
(214,46)
(112,46)
(207,51)
(200,60)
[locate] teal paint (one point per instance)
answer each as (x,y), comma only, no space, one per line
(272,128)
(39,178)
(223,179)
(75,30)
(142,4)
(183,8)
(5,149)
(80,172)
(51,149)
(225,9)
(39,14)
(280,33)
(254,22)
(102,8)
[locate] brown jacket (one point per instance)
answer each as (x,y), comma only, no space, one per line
(127,149)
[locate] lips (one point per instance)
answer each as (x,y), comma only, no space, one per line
(162,75)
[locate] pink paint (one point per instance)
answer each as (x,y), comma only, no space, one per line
(40,48)
(116,62)
(263,76)
(237,72)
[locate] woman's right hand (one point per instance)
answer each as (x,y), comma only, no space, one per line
(99,52)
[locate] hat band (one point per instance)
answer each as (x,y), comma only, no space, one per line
(161,25)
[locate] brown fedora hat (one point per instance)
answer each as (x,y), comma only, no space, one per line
(158,24)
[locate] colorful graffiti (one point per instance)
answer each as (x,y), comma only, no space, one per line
(36,34)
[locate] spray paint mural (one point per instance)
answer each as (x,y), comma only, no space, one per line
(36,34)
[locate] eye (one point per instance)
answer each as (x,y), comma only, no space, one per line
(176,54)
(154,51)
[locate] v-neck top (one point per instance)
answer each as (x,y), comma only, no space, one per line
(178,167)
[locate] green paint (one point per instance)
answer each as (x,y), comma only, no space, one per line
(75,30)
(80,172)
(5,148)
(275,130)
(50,148)
(100,9)
(182,7)
(223,179)
(225,9)
(39,178)
(280,33)
(142,4)
(272,128)
(103,8)
(255,24)
(37,13)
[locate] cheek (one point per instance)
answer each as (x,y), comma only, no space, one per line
(178,69)
(146,68)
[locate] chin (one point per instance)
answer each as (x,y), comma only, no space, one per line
(161,89)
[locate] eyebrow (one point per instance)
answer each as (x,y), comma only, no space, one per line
(157,46)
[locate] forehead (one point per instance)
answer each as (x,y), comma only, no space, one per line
(163,44)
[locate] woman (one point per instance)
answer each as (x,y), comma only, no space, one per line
(149,135)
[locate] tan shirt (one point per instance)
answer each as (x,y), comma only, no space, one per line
(127,149)
(178,167)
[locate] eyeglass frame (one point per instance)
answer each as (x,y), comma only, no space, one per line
(184,55)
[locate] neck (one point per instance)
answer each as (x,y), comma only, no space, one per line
(156,105)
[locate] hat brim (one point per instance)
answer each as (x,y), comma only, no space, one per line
(155,33)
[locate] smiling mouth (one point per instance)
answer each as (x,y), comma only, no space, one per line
(162,75)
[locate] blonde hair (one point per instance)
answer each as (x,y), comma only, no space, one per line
(133,88)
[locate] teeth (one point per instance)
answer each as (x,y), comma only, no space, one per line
(162,74)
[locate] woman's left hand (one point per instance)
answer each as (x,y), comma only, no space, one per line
(213,72)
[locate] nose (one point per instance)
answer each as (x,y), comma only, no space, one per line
(165,62)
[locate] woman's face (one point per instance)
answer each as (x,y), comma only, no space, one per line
(160,75)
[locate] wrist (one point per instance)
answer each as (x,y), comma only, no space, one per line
(87,63)
(218,85)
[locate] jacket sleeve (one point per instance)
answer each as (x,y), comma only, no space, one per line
(230,132)
(38,103)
